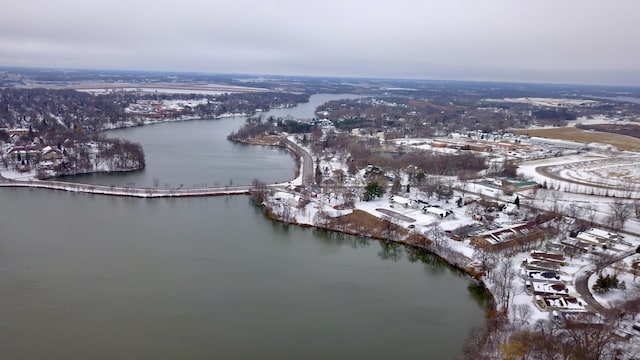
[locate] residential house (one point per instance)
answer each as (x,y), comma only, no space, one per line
(541,265)
(51,154)
(545,289)
(598,237)
(541,276)
(438,212)
(548,256)
(402,201)
(559,302)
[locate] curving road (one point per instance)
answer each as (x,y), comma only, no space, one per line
(307,160)
(581,281)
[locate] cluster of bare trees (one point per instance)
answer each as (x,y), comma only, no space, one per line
(111,154)
(55,109)
(619,213)
(121,155)
(363,153)
(246,103)
(46,109)
(547,340)
(252,128)
(446,111)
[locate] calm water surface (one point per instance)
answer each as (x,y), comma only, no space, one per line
(95,277)
(197,153)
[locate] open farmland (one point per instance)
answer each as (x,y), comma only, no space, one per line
(622,142)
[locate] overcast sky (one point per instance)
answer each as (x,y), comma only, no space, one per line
(570,41)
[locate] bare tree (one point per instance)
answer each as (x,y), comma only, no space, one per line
(620,213)
(636,208)
(556,196)
(389,227)
(590,342)
(463,187)
(542,194)
(590,212)
(473,208)
(486,258)
(258,191)
(349,198)
(287,214)
(522,312)
(574,210)
(503,280)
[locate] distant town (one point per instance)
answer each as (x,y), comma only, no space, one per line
(532,189)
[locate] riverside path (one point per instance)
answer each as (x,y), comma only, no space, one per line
(128,191)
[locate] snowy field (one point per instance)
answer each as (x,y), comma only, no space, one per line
(597,173)
(551,102)
(156,90)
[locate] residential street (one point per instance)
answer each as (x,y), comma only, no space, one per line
(581,281)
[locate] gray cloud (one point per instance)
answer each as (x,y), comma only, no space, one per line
(556,41)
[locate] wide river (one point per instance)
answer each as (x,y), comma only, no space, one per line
(95,277)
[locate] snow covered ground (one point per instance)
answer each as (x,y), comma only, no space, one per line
(522,310)
(16,175)
(157,90)
(624,272)
(552,102)
(597,173)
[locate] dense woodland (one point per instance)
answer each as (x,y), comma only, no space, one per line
(48,109)
(416,117)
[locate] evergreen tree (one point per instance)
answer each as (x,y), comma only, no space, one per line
(372,191)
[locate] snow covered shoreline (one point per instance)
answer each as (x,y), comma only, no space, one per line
(143,121)
(323,207)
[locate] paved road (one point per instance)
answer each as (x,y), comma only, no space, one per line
(581,281)
(307,161)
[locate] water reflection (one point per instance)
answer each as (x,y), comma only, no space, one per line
(393,251)
(338,239)
(204,277)
(390,250)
